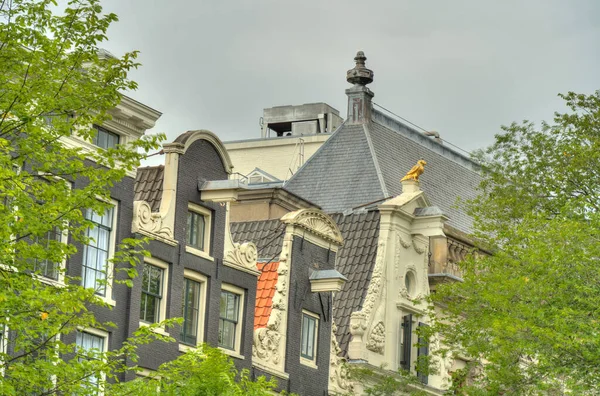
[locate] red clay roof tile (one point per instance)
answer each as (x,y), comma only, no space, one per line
(265,290)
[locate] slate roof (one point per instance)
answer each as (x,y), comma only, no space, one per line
(355,260)
(148,185)
(266,234)
(360,164)
(265,290)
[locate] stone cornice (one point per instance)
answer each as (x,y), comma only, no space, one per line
(317,223)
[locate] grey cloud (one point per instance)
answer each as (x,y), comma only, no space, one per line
(462,68)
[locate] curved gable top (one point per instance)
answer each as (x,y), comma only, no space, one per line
(202,134)
(315,221)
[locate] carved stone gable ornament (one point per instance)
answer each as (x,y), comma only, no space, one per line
(315,221)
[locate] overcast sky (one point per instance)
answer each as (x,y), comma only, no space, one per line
(462,68)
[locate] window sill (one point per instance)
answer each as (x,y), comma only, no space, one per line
(157,330)
(200,253)
(231,353)
(308,363)
(186,348)
(49,281)
(108,300)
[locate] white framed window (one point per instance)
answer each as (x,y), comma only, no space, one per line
(92,343)
(153,304)
(230,318)
(104,138)
(47,269)
(309,335)
(198,231)
(193,308)
(97,267)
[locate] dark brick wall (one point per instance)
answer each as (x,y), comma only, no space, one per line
(306,256)
(201,162)
(121,192)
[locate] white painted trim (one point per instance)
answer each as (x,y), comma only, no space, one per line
(270,370)
(203,280)
(199,253)
(162,309)
(207,214)
(203,134)
(240,324)
(105,335)
(112,246)
(308,362)
(231,353)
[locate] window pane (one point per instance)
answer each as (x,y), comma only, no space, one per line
(96,252)
(226,334)
(229,311)
(308,338)
(191,302)
(152,278)
(223,306)
(195,230)
(200,232)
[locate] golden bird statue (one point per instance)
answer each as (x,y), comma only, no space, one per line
(415,171)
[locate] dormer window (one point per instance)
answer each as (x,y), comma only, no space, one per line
(104,138)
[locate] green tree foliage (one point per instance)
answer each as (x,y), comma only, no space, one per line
(206,371)
(54,85)
(529,311)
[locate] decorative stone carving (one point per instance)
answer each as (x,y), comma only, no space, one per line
(403,293)
(266,344)
(339,376)
(376,281)
(358,324)
(268,348)
(317,222)
(375,302)
(243,255)
(145,221)
(418,247)
(405,244)
(376,341)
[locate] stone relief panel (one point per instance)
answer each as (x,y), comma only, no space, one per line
(268,347)
(243,255)
(144,221)
(339,376)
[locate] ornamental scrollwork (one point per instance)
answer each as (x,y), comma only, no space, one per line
(376,342)
(376,281)
(243,255)
(339,375)
(147,222)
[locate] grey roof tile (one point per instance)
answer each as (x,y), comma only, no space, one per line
(444,181)
(148,186)
(343,163)
(355,260)
(266,234)
(349,168)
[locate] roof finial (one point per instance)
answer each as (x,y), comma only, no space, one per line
(415,171)
(359,75)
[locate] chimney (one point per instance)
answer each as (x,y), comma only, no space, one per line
(359,96)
